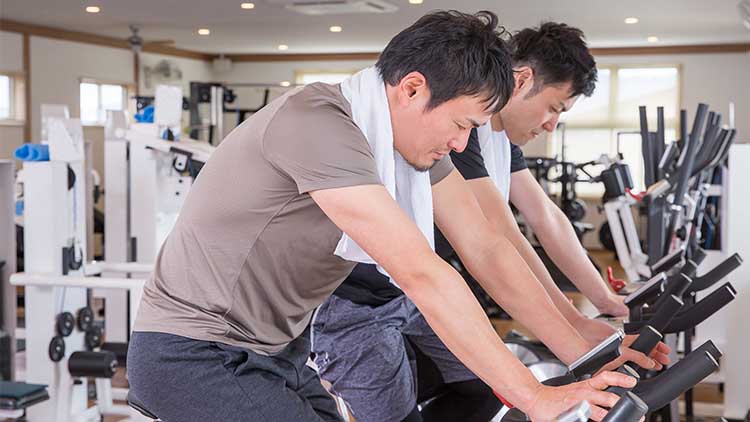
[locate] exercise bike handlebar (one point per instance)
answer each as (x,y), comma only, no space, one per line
(693,315)
(630,408)
(686,166)
(698,256)
(657,392)
(596,358)
(647,292)
(648,339)
(668,309)
(716,274)
(676,286)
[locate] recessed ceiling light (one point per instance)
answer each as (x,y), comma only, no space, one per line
(335,28)
(285,83)
(631,21)
(415,1)
(247,5)
(652,39)
(93,9)
(283,47)
(204,31)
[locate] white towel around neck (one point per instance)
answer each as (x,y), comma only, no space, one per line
(365,92)
(495,148)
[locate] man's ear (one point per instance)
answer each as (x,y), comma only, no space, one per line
(412,87)
(524,77)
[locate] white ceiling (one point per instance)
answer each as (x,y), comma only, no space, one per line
(260,30)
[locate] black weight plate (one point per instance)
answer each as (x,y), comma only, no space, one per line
(93,338)
(85,318)
(56,349)
(65,323)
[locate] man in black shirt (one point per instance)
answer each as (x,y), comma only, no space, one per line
(369,340)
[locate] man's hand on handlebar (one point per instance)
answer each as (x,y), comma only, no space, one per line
(655,361)
(552,401)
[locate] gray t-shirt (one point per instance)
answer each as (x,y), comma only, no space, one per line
(251,254)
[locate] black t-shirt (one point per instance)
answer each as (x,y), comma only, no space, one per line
(367,286)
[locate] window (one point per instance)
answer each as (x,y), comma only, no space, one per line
(332,77)
(5,99)
(608,122)
(12,96)
(97,98)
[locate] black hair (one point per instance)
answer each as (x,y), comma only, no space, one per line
(458,54)
(557,53)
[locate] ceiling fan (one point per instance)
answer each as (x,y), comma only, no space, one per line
(137,43)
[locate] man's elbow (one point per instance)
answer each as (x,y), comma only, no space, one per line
(424,276)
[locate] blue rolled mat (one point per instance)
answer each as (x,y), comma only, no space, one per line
(146,115)
(32,152)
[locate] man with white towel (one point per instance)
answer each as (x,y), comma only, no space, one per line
(322,178)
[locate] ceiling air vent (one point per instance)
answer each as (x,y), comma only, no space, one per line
(336,7)
(744,9)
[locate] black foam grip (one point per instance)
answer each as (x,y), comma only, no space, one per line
(630,408)
(665,310)
(691,316)
(648,339)
(627,370)
(659,391)
(716,274)
(699,312)
(92,364)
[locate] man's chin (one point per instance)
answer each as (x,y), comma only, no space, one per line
(421,167)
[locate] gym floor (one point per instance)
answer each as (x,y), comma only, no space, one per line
(708,397)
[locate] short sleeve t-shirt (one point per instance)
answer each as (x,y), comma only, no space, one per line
(251,254)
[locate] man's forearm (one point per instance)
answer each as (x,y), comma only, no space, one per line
(508,226)
(453,313)
(506,277)
(562,245)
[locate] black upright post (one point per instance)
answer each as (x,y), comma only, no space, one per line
(648,156)
(195,117)
(659,144)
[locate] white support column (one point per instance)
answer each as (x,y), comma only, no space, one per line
(143,202)
(53,217)
(737,232)
(116,223)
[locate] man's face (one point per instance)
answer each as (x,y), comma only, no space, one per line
(425,137)
(530,111)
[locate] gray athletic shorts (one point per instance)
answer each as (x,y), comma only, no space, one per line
(360,350)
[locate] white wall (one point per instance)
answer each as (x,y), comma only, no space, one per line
(715,79)
(273,73)
(11,52)
(191,69)
(58,66)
